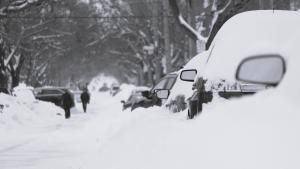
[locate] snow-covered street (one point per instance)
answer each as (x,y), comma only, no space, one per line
(107,137)
(78,142)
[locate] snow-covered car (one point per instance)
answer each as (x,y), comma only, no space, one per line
(259,131)
(52,94)
(114,89)
(182,89)
(258,34)
(242,36)
(147,98)
(138,94)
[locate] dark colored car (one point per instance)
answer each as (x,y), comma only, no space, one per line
(53,95)
(148,98)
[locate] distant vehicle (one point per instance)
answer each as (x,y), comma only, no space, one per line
(147,98)
(52,94)
(104,88)
(114,89)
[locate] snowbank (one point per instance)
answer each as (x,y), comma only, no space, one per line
(23,110)
(24,93)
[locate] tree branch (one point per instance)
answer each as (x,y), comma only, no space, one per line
(18,5)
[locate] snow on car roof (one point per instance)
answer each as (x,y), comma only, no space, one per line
(252,33)
(197,62)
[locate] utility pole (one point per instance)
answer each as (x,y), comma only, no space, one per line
(166,12)
(261,4)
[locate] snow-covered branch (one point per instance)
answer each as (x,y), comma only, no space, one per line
(224,8)
(98,40)
(12,53)
(191,29)
(38,37)
(17,5)
(37,25)
(217,13)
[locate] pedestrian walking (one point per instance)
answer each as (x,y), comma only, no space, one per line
(68,103)
(85,99)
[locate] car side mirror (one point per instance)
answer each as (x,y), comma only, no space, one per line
(188,75)
(162,93)
(263,69)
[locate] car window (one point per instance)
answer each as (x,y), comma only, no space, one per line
(51,91)
(161,84)
(170,83)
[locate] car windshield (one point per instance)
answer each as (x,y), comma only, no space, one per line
(170,82)
(160,85)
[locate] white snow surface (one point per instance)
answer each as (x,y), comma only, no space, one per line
(258,132)
(23,110)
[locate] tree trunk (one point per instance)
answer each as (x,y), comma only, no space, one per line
(3,80)
(15,74)
(281,4)
(3,76)
(261,4)
(191,21)
(166,10)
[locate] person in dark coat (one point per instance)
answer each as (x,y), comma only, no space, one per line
(68,103)
(85,99)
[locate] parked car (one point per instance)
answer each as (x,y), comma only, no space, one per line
(177,101)
(137,94)
(114,89)
(52,94)
(266,38)
(261,130)
(148,98)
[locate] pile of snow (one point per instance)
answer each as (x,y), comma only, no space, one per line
(24,93)
(128,89)
(23,110)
